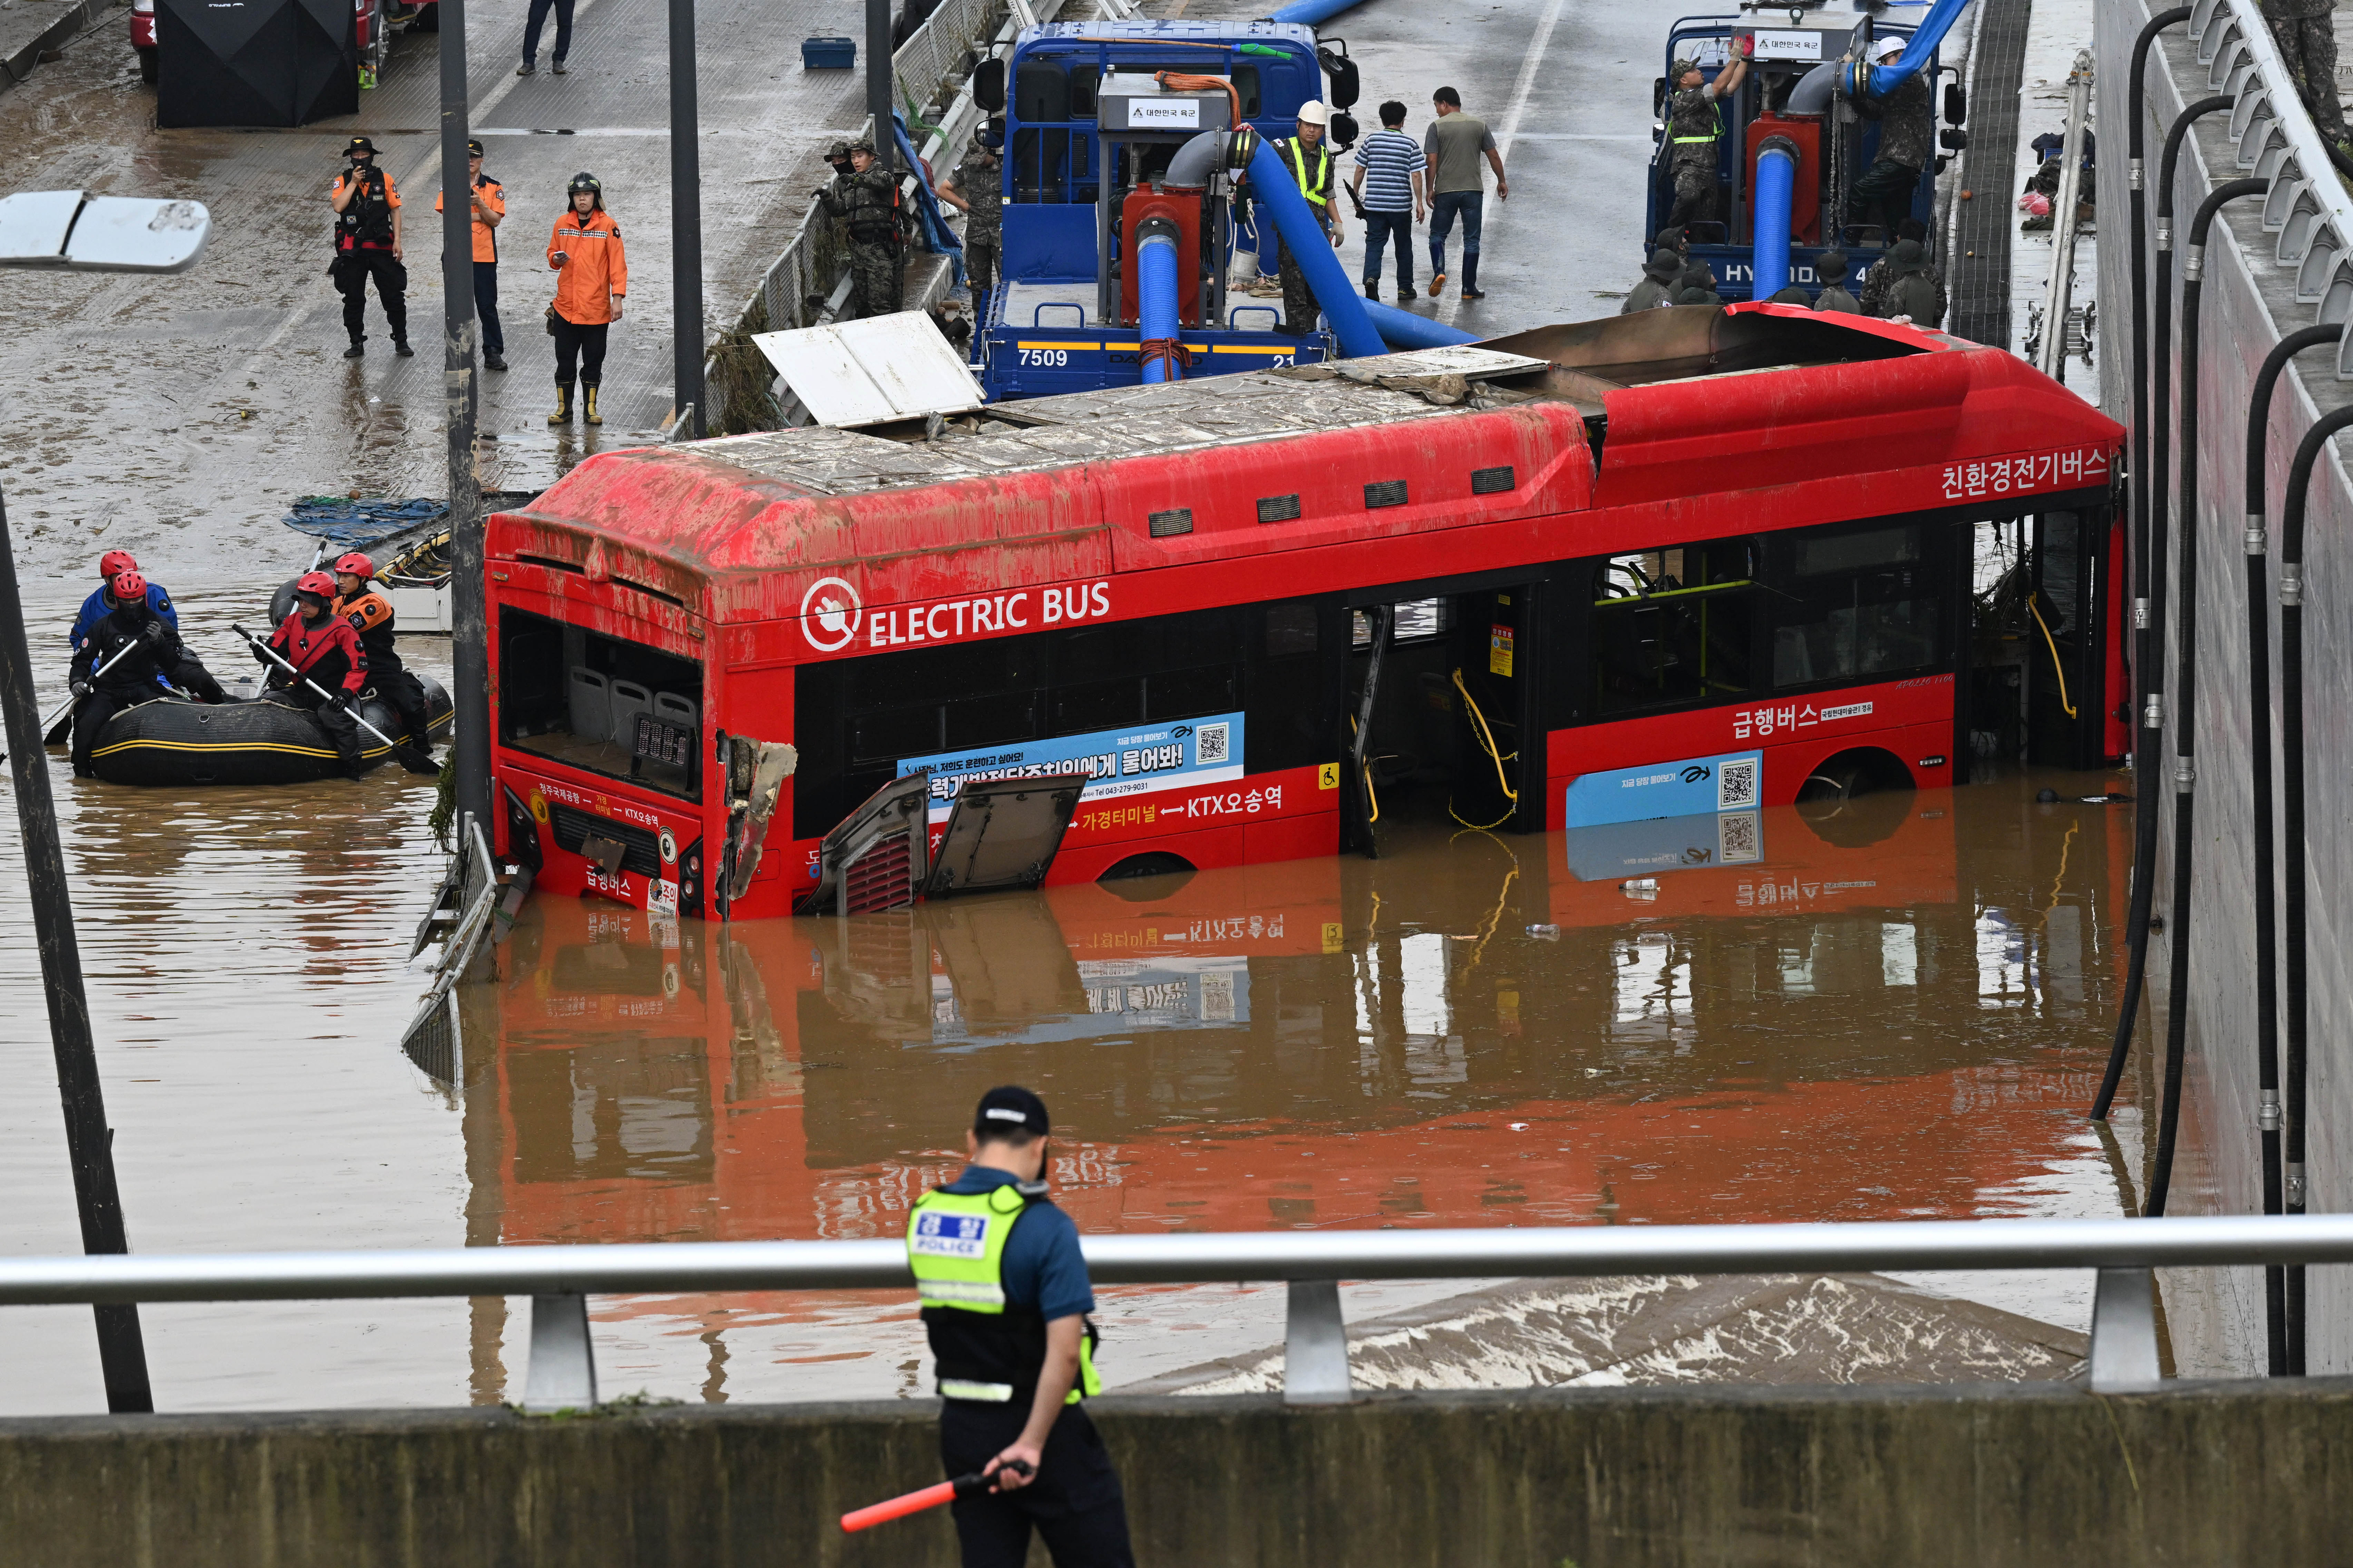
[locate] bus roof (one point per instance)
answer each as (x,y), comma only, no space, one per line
(1683,407)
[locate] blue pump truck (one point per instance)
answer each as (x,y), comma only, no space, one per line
(1122,212)
(1793,141)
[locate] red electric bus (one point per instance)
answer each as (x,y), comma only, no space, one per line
(1674,564)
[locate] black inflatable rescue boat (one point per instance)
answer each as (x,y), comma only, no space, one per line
(172,740)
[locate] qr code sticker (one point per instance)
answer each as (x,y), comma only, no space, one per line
(1217,997)
(1735,784)
(1210,744)
(1737,839)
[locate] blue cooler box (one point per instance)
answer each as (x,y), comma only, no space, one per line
(829,54)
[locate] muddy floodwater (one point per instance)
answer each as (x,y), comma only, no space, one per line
(1898,1011)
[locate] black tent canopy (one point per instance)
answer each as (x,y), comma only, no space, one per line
(255,62)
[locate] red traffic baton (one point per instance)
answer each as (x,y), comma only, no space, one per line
(973,1485)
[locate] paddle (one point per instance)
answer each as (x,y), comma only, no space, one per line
(60,724)
(416,761)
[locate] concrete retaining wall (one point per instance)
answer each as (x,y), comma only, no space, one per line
(2216,1316)
(2018,1476)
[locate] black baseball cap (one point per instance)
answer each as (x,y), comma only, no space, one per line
(1006,1107)
(474,148)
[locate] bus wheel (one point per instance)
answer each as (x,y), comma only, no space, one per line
(1150,875)
(1856,798)
(1849,774)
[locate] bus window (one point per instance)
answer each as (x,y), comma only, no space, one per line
(1672,625)
(912,704)
(856,721)
(1415,620)
(1856,605)
(1147,671)
(599,703)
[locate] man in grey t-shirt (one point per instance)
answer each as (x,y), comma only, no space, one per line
(1453,145)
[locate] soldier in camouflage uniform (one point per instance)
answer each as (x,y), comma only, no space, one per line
(1879,281)
(865,197)
(1695,128)
(977,190)
(1907,135)
(2307,43)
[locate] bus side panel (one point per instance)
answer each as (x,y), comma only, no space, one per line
(758,705)
(1893,716)
(1924,749)
(1214,848)
(1292,838)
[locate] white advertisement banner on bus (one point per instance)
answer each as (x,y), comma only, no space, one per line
(1141,761)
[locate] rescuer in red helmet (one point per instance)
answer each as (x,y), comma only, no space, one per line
(325,652)
(369,615)
(111,566)
(148,661)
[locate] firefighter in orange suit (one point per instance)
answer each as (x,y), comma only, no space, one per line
(592,282)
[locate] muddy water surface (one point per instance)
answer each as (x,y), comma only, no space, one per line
(1895,1013)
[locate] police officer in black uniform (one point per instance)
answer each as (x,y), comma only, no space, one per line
(367,245)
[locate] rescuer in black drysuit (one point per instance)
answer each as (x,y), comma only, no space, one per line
(156,662)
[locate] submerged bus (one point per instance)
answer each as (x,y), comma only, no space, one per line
(1681,562)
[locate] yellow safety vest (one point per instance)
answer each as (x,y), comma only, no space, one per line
(1317,190)
(955,1245)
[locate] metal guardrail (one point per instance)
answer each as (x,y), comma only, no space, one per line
(2307,206)
(559,1279)
(811,263)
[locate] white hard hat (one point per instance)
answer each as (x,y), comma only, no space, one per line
(1883,48)
(1313,112)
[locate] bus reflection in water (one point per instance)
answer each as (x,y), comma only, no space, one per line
(1830,1027)
(1577,579)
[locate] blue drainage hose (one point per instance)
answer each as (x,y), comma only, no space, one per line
(1307,13)
(1274,193)
(1404,330)
(1155,291)
(1776,176)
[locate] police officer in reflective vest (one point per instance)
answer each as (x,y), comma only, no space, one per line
(1310,162)
(1005,1301)
(1694,126)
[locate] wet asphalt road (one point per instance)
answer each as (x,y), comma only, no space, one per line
(178,418)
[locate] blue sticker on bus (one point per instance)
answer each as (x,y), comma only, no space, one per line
(1730,782)
(1143,760)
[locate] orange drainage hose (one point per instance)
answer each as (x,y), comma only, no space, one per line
(1180,81)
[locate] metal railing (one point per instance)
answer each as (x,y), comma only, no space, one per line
(812,263)
(559,1279)
(2306,205)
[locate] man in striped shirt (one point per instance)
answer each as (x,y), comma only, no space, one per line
(1391,199)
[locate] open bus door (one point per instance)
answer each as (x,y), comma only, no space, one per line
(1442,691)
